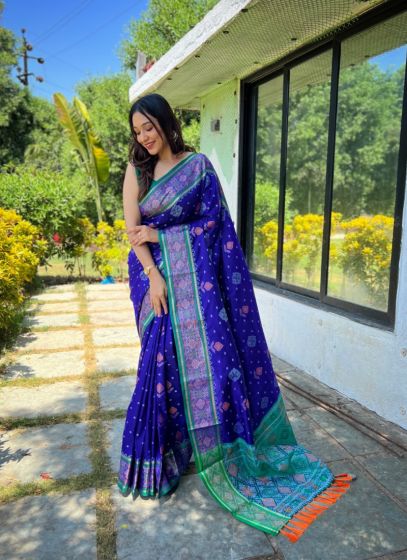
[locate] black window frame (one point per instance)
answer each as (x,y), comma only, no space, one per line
(246,173)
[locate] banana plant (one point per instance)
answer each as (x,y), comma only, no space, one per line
(86,143)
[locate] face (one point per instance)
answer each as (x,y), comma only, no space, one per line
(147,134)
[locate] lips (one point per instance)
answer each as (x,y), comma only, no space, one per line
(148,146)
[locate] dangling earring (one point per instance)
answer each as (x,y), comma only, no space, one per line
(175,135)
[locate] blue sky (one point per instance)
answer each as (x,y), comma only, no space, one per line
(77,39)
(80,39)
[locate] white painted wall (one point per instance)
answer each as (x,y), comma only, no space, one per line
(366,363)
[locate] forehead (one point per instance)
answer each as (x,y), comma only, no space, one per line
(141,120)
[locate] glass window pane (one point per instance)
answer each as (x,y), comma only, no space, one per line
(366,152)
(308,120)
(267,177)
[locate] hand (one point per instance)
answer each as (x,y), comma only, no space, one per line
(141,234)
(158,292)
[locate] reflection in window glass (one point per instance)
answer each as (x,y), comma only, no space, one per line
(308,121)
(366,151)
(267,178)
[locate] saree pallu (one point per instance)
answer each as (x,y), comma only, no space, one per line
(205,380)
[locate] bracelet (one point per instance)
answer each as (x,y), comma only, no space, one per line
(147,269)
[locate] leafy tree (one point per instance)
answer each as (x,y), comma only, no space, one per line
(87,146)
(107,101)
(16,116)
(162,25)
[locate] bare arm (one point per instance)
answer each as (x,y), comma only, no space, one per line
(132,213)
(132,217)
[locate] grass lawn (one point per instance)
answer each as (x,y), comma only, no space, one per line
(57,268)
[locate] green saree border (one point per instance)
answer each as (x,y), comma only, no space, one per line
(210,466)
(155,184)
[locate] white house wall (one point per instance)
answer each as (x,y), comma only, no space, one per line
(366,363)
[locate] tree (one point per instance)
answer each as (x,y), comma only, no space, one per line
(86,143)
(16,117)
(160,27)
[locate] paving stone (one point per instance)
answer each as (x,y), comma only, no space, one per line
(60,450)
(55,296)
(390,471)
(116,287)
(49,340)
(114,434)
(110,295)
(117,393)
(52,364)
(289,405)
(306,382)
(70,306)
(352,439)
(191,525)
(48,527)
(322,445)
(372,419)
(300,421)
(113,317)
(280,365)
(117,359)
(298,400)
(45,400)
(103,336)
(106,305)
(62,320)
(363,524)
(68,287)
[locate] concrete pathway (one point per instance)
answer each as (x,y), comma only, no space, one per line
(64,392)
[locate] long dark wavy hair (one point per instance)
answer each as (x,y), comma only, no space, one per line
(157,106)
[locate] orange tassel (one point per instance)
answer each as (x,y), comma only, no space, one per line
(307,515)
(290,536)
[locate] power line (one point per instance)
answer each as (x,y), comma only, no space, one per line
(59,24)
(48,55)
(67,62)
(96,30)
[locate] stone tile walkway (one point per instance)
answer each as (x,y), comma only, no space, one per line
(63,396)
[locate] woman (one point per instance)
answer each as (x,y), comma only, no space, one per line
(205,380)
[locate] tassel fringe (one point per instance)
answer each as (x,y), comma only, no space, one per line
(307,515)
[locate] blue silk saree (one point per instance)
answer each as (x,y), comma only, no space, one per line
(205,380)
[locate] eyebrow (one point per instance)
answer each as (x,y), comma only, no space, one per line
(146,122)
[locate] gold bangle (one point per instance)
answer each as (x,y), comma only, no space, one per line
(148,268)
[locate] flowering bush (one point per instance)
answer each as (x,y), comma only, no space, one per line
(361,247)
(366,252)
(111,248)
(21,250)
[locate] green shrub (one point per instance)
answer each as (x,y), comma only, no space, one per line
(49,201)
(21,249)
(112,247)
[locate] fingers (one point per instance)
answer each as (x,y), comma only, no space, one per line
(157,304)
(164,304)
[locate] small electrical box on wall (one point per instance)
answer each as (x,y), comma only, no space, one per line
(215,125)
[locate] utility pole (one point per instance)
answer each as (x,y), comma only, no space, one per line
(23,77)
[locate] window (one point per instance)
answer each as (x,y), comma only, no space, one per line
(324,204)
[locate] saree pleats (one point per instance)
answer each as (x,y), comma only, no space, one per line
(156,448)
(233,413)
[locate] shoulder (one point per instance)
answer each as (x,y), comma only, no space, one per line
(130,179)
(205,161)
(132,169)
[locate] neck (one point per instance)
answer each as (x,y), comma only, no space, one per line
(166,156)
